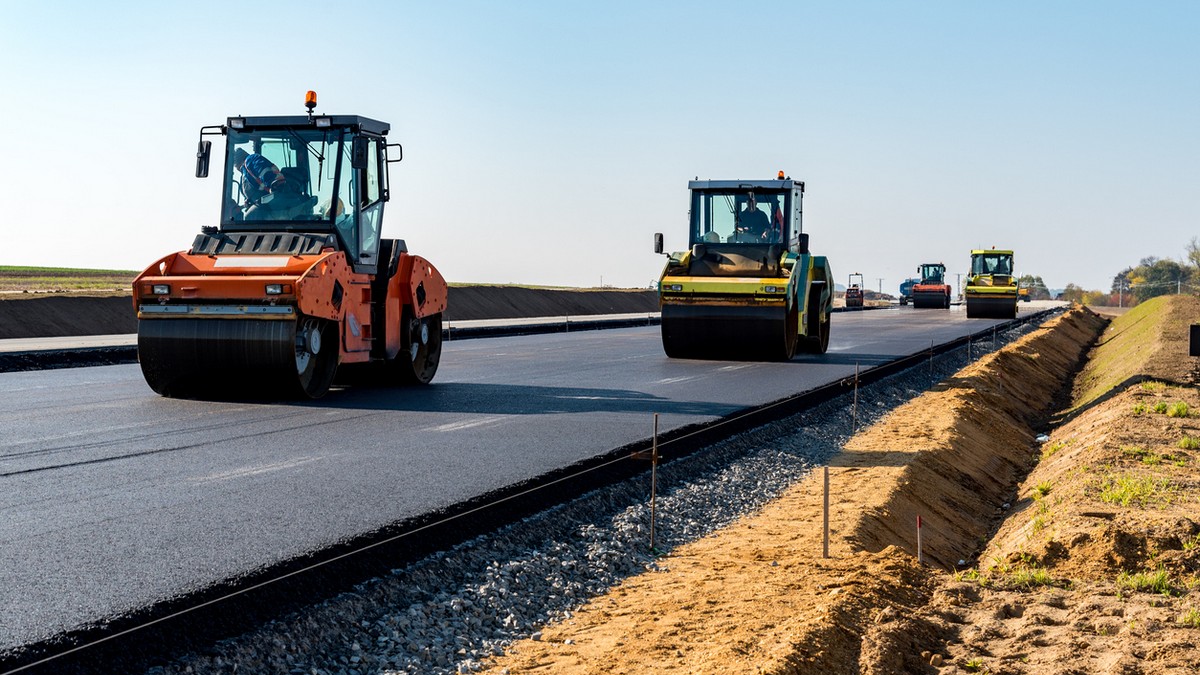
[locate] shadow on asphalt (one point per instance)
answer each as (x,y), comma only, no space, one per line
(512,399)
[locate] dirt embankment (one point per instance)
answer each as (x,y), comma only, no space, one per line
(1055,592)
(55,315)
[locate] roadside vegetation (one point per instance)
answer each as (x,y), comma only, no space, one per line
(1102,552)
(1150,278)
(63,280)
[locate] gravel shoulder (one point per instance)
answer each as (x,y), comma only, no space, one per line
(1074,580)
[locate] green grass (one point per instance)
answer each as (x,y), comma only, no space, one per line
(1191,543)
(1049,450)
(1121,352)
(1189,443)
(1128,489)
(1030,578)
(974,665)
(1160,408)
(972,575)
(1152,459)
(17,271)
(1146,582)
(1134,451)
(1041,489)
(1190,618)
(1153,387)
(48,279)
(1139,408)
(1177,409)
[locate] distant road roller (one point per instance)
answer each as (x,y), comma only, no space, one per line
(991,290)
(932,290)
(747,288)
(296,281)
(854,290)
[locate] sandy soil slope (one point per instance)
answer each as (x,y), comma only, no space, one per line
(1070,583)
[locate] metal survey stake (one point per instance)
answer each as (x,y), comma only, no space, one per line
(652,455)
(825,536)
(854,407)
(920,558)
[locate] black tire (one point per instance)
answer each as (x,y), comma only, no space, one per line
(316,356)
(817,341)
(420,348)
(791,332)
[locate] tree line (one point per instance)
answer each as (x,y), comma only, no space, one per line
(1150,278)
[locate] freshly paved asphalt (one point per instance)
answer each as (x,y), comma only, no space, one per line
(114,498)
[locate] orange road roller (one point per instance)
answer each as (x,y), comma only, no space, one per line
(296,286)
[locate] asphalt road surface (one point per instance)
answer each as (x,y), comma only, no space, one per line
(114,498)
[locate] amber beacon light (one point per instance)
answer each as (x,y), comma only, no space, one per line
(310,101)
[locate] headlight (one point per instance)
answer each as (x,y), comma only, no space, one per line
(274,289)
(772,289)
(675,287)
(237,123)
(160,289)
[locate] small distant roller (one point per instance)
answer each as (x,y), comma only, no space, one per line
(747,288)
(991,290)
(296,284)
(931,291)
(854,290)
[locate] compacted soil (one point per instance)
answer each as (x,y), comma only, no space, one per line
(1059,533)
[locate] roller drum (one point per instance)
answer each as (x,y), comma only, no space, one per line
(209,357)
(728,332)
(929,299)
(991,307)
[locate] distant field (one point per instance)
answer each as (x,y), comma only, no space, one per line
(63,279)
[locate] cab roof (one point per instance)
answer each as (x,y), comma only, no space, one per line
(786,184)
(355,122)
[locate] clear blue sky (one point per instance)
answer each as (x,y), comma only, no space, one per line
(545,143)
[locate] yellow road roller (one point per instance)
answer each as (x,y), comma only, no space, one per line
(747,287)
(991,291)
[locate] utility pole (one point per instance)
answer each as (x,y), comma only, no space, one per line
(958,284)
(880,279)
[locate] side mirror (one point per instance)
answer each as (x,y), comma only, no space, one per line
(802,243)
(202,155)
(658,242)
(387,151)
(699,251)
(358,153)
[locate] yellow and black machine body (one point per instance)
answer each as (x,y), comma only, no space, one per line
(991,290)
(854,290)
(747,288)
(931,291)
(296,283)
